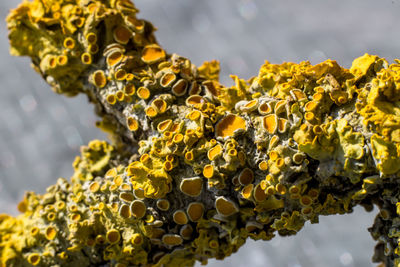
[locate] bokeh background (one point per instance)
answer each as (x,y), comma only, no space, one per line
(40,132)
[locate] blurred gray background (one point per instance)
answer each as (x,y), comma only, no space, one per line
(40,132)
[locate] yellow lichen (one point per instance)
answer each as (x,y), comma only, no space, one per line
(280,149)
(138,209)
(152,54)
(229,125)
(225,206)
(191,186)
(195,211)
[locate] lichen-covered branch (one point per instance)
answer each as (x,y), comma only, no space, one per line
(195,167)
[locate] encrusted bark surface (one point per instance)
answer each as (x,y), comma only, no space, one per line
(195,167)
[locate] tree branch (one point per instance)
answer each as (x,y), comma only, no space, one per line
(195,167)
